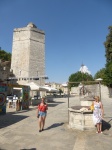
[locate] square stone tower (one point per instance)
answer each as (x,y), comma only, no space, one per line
(28,55)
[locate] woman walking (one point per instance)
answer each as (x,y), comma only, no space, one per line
(41,114)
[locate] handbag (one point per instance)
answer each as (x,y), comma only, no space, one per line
(38,115)
(92,107)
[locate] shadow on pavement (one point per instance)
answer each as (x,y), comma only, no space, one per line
(50,104)
(10,118)
(106,125)
(54,125)
(110,120)
(25,110)
(53,104)
(29,149)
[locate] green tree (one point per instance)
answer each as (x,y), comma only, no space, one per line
(60,91)
(79,77)
(5,56)
(107,80)
(108,67)
(108,46)
(100,74)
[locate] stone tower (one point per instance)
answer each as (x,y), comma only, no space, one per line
(28,55)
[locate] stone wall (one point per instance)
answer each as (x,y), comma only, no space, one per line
(4,70)
(95,90)
(106,92)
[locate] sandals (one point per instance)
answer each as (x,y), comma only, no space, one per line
(41,130)
(99,132)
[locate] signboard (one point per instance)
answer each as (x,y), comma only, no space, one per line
(3,90)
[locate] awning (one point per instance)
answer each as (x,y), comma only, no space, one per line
(33,86)
(49,89)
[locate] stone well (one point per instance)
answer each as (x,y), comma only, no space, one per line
(80,118)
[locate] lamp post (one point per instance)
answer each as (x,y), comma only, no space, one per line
(99,80)
(81,89)
(68,99)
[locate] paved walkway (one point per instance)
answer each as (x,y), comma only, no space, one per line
(19,130)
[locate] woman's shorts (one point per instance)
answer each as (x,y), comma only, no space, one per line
(41,113)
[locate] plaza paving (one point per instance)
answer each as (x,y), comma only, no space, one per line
(19,130)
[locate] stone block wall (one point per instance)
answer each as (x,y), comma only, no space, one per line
(95,90)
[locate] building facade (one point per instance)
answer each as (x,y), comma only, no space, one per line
(4,71)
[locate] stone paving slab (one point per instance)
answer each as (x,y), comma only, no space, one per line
(19,130)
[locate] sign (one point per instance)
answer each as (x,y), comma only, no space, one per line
(3,89)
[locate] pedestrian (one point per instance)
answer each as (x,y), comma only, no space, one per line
(41,114)
(98,113)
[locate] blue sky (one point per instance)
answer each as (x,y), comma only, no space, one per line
(75,31)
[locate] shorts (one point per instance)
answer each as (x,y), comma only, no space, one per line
(41,113)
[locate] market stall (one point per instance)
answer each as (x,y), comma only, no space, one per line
(19,104)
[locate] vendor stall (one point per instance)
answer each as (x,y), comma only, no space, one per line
(19,104)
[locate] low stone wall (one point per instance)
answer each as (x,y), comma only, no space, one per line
(105,91)
(87,101)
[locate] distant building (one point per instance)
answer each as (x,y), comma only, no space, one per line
(63,87)
(84,69)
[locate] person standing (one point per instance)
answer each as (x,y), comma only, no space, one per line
(98,113)
(41,114)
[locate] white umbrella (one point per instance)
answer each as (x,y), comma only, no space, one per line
(64,84)
(49,89)
(33,86)
(99,79)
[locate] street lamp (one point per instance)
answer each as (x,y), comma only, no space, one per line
(99,80)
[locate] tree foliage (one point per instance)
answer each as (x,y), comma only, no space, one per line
(108,45)
(108,75)
(100,74)
(79,77)
(5,56)
(60,91)
(108,55)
